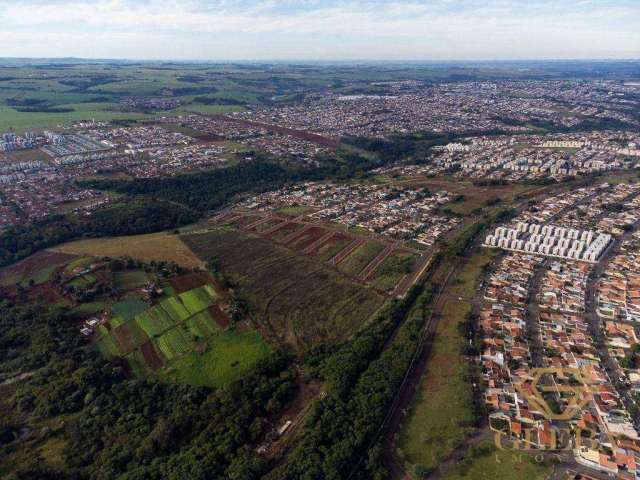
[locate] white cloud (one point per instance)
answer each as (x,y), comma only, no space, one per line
(314,29)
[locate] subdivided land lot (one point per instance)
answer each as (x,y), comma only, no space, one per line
(300,300)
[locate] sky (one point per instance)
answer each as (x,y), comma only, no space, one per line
(298,30)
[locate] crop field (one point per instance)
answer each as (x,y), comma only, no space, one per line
(227,357)
(129,307)
(360,258)
(189,281)
(198,299)
(300,300)
(177,333)
(244,220)
(154,246)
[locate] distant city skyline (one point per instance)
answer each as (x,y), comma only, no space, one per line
(299,30)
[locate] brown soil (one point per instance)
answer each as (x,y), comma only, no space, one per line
(150,355)
(123,335)
(219,316)
(190,281)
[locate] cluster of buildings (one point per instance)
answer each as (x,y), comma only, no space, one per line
(150,104)
(550,240)
(134,139)
(280,142)
(63,146)
(10,141)
(519,157)
(172,159)
(547,383)
(405,214)
(618,292)
(507,106)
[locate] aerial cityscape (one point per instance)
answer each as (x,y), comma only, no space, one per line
(320,240)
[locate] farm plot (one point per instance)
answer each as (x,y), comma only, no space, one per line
(173,343)
(177,339)
(198,299)
(189,281)
(129,307)
(154,321)
(303,301)
(360,258)
(175,309)
(393,269)
(228,356)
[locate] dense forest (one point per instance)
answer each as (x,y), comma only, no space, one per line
(108,426)
(124,218)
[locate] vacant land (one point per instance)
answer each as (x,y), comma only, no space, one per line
(301,301)
(360,258)
(37,268)
(486,462)
(154,246)
(441,413)
(393,269)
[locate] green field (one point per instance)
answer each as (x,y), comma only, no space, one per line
(13,120)
(130,279)
(89,309)
(300,300)
(198,299)
(129,307)
(360,258)
(440,416)
(393,269)
(228,355)
(486,462)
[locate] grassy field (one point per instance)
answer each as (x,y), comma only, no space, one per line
(393,269)
(228,355)
(153,246)
(440,415)
(11,119)
(129,307)
(360,258)
(486,462)
(38,267)
(300,300)
(294,211)
(130,279)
